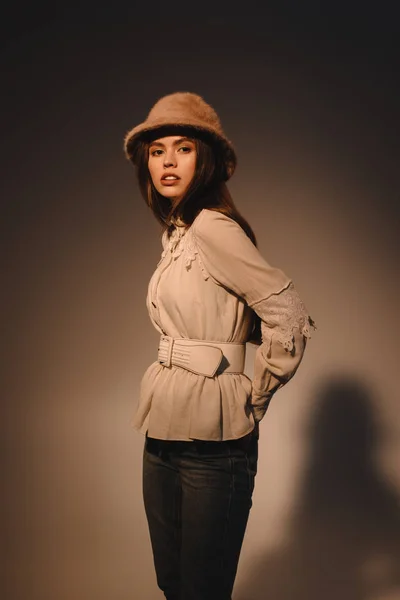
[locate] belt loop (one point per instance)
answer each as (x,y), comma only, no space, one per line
(169,352)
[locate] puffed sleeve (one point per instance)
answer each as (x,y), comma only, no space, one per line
(232,261)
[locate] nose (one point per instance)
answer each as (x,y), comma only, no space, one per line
(169,158)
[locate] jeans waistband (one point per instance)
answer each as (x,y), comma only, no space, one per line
(157,446)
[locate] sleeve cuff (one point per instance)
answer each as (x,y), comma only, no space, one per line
(261,407)
(258,413)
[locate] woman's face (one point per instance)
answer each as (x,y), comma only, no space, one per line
(172,165)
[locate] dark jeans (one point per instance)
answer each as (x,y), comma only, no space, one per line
(197,498)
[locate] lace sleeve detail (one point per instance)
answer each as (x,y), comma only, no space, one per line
(281,314)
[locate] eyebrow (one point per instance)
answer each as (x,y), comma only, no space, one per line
(175,143)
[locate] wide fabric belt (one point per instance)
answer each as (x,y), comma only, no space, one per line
(202,357)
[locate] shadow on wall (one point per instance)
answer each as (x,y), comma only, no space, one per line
(345,535)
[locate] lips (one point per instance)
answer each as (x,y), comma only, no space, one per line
(169,179)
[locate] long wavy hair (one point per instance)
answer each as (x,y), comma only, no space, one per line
(206,190)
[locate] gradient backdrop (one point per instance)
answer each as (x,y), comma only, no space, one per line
(310,97)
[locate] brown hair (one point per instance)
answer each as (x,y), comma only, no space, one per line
(206,190)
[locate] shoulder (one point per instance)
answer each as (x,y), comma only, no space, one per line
(210,223)
(210,215)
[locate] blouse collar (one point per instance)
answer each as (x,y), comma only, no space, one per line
(178,222)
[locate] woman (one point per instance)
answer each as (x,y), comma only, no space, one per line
(211,293)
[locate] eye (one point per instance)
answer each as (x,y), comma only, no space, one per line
(156,152)
(185,149)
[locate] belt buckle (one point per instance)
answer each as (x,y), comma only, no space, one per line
(170,340)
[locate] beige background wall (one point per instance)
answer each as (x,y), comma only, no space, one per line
(312,117)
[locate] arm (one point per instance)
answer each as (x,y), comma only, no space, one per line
(285,328)
(235,263)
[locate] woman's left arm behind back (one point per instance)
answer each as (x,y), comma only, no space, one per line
(232,260)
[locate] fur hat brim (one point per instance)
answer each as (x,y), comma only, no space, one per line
(187,113)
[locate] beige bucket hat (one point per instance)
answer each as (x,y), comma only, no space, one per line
(186,110)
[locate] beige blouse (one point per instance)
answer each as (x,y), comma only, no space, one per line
(208,281)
